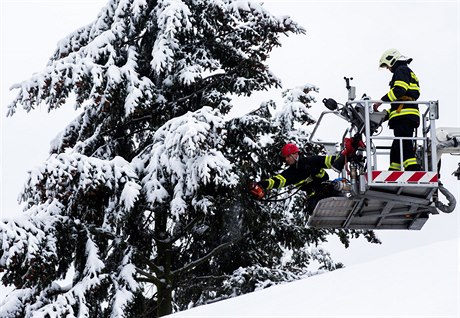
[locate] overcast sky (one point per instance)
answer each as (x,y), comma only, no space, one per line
(344,38)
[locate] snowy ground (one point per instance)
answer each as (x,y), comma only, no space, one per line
(422,282)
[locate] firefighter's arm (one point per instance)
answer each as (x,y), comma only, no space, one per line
(278,181)
(399,87)
(257,189)
(396,92)
(285,178)
(323,161)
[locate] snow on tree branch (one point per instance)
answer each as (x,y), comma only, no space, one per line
(150,46)
(296,104)
(147,186)
(171,17)
(186,155)
(64,207)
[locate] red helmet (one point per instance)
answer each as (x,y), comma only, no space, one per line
(289,149)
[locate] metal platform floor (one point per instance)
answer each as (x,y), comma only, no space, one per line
(392,208)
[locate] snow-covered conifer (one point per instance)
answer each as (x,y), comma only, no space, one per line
(141,207)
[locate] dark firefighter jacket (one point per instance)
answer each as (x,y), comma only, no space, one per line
(308,173)
(404,86)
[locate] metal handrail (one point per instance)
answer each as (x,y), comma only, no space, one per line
(428,129)
(428,138)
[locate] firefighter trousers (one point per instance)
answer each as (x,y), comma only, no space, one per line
(404,128)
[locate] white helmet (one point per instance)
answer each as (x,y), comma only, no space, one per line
(389,58)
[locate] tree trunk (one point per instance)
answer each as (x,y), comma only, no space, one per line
(164,300)
(164,245)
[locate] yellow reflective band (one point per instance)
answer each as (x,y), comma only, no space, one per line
(327,162)
(391,95)
(271,183)
(308,180)
(300,183)
(413,76)
(405,111)
(414,87)
(410,162)
(320,174)
(281,179)
(402,84)
(395,166)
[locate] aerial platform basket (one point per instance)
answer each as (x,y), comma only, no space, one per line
(396,207)
(379,199)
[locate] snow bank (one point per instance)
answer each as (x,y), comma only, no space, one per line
(422,282)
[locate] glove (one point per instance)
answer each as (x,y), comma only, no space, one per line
(348,147)
(352,144)
(358,142)
(376,106)
(256,190)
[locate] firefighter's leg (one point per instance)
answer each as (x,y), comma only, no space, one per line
(395,159)
(311,204)
(403,129)
(312,192)
(410,161)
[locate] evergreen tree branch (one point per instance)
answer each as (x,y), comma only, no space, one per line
(212,79)
(154,268)
(209,277)
(181,233)
(201,260)
(92,228)
(149,278)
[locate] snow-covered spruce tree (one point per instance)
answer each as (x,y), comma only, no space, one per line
(130,178)
(143,193)
(274,244)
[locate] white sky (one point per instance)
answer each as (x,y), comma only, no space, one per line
(344,38)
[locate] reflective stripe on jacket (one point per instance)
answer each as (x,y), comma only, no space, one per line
(404,86)
(307,173)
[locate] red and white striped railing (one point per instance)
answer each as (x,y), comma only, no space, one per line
(405,177)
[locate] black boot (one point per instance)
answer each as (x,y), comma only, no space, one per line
(339,164)
(413,168)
